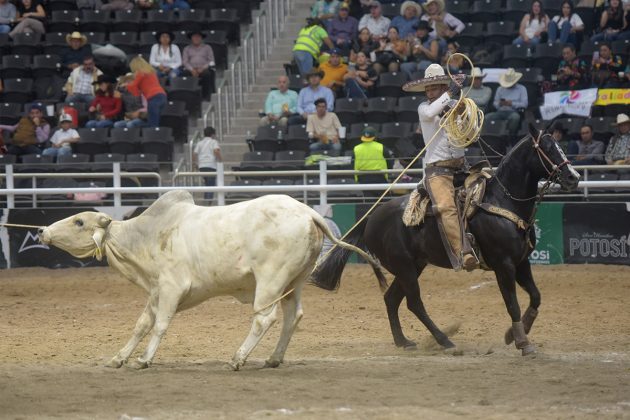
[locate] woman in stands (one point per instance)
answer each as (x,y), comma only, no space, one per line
(612,23)
(106,107)
(146,83)
(364,43)
(361,78)
(30,18)
(391,52)
(166,56)
(533,25)
(566,26)
(606,68)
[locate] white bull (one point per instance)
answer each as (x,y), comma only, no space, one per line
(183,254)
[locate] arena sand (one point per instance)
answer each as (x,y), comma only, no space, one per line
(59,327)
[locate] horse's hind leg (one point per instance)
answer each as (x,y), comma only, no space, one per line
(525,279)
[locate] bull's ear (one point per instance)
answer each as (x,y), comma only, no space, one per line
(104,220)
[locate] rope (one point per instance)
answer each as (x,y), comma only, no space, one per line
(21,226)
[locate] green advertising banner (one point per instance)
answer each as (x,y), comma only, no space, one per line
(549,231)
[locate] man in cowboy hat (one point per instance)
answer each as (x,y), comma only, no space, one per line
(410,13)
(72,56)
(309,94)
(369,155)
(509,98)
(79,87)
(479,93)
(442,160)
(343,29)
(444,24)
(198,60)
(377,24)
(618,150)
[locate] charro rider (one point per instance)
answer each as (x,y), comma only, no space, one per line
(442,160)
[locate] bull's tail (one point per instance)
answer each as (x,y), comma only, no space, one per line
(327,273)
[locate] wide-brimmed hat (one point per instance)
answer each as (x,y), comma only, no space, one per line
(104,78)
(622,119)
(433,75)
(76,35)
(369,134)
(440,4)
(509,78)
(170,34)
(345,6)
(314,72)
(195,32)
(413,4)
(476,72)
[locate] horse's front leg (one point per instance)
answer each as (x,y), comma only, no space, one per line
(525,279)
(506,275)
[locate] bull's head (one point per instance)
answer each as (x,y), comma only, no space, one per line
(81,235)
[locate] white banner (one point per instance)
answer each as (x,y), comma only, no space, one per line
(571,102)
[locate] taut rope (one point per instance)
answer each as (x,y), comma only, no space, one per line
(20,226)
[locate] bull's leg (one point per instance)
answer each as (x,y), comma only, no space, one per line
(168,300)
(525,279)
(292,314)
(142,328)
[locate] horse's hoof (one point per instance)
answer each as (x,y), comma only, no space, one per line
(114,363)
(447,344)
(509,336)
(138,364)
(410,346)
(528,350)
(272,363)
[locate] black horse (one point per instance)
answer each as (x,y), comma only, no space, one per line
(406,251)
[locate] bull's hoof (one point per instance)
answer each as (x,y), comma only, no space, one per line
(509,336)
(528,350)
(272,363)
(115,363)
(138,364)
(235,366)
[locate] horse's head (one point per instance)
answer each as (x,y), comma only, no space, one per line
(553,163)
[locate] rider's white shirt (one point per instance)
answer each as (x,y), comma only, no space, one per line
(440,148)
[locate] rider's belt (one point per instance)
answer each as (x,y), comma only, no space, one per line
(450,163)
(511,216)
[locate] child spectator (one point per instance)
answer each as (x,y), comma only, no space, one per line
(61,141)
(105,107)
(206,155)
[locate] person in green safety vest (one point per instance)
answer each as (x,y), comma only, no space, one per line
(308,43)
(370,156)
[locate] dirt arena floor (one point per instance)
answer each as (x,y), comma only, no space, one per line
(59,327)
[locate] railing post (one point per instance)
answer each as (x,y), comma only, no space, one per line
(585,179)
(116,183)
(323,180)
(8,170)
(220,183)
(34,185)
(219,110)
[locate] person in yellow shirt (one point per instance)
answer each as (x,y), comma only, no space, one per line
(334,71)
(370,156)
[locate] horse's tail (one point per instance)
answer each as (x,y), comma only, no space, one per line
(327,273)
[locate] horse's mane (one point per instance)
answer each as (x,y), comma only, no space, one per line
(508,156)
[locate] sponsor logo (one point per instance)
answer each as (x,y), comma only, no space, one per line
(570,97)
(598,245)
(31,240)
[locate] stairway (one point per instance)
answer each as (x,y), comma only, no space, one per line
(233,144)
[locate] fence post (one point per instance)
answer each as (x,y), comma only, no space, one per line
(323,180)
(117,195)
(220,183)
(8,170)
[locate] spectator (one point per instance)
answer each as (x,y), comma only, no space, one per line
(532,26)
(323,128)
(572,70)
(77,49)
(115,5)
(611,23)
(606,67)
(62,139)
(89,4)
(410,13)
(167,5)
(105,108)
(391,52)
(445,25)
(147,4)
(309,94)
(456,63)
(199,62)
(586,151)
(146,83)
(165,56)
(361,78)
(206,155)
(308,44)
(334,71)
(7,16)
(424,50)
(364,43)
(508,99)
(30,17)
(325,9)
(624,80)
(343,29)
(280,104)
(370,156)
(566,26)
(134,107)
(80,84)
(375,21)
(28,133)
(479,93)
(558,134)
(618,150)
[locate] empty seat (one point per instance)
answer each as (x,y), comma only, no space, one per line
(126,41)
(472,34)
(94,21)
(15,66)
(380,110)
(243,195)
(46,65)
(392,132)
(141,162)
(174,117)
(63,21)
(390,84)
(515,10)
(158,141)
(18,90)
(268,139)
(93,141)
(516,56)
(193,19)
(159,20)
(289,160)
(502,32)
(103,162)
(126,21)
(124,140)
(256,161)
(546,58)
(10,113)
(186,89)
(76,162)
(226,20)
(297,138)
(27,43)
(407,108)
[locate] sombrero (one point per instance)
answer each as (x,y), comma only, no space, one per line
(509,78)
(622,119)
(433,75)
(477,73)
(440,4)
(76,35)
